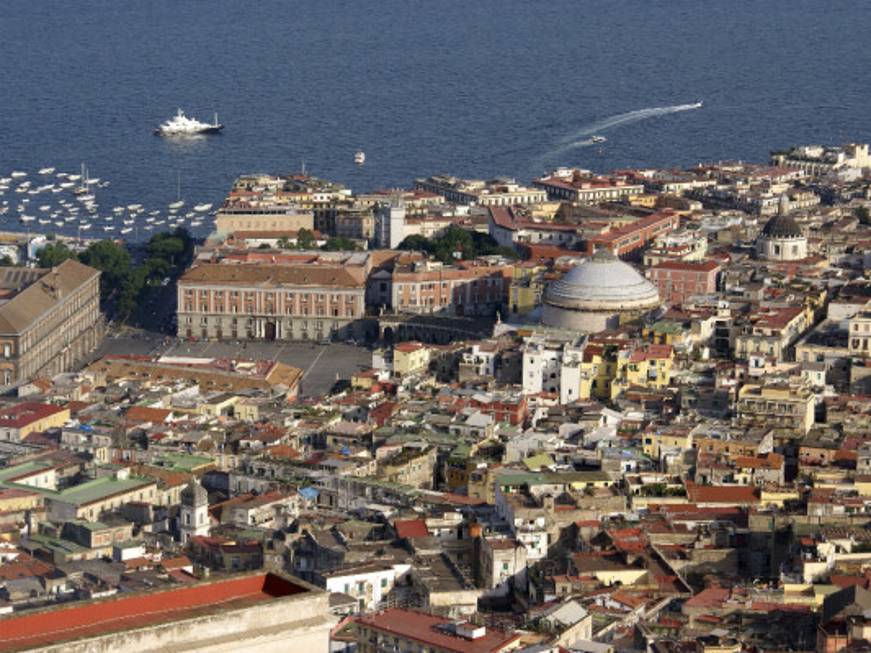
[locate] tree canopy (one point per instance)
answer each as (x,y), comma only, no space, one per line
(457,244)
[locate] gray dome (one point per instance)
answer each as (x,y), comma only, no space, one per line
(782,226)
(194,495)
(603,283)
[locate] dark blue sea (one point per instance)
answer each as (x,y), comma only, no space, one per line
(477,88)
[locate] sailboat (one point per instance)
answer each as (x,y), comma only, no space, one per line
(179,202)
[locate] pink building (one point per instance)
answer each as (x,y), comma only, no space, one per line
(679,280)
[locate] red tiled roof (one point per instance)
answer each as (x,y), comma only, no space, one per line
(147,414)
(733,494)
(94,618)
(712,597)
(408,528)
(432,631)
(20,415)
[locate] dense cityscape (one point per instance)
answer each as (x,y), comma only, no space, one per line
(583,413)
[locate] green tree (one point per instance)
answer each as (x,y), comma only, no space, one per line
(417,243)
(305,239)
(284,242)
(53,254)
(863,214)
(166,246)
(113,261)
(339,244)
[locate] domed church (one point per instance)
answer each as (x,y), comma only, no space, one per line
(781,238)
(599,294)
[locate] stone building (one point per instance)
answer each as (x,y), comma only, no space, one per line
(258,611)
(271,301)
(599,294)
(50,320)
(781,238)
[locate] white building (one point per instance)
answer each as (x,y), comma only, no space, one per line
(369,583)
(390,224)
(194,517)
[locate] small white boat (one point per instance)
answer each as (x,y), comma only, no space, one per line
(149,219)
(18,174)
(92,181)
(57,190)
(67,184)
(86,197)
(44,188)
(176,205)
(44,221)
(85,226)
(46,171)
(61,175)
(134,207)
(360,157)
(202,207)
(196,223)
(74,177)
(59,224)
(27,218)
(128,221)
(118,210)
(108,227)
(126,230)
(45,207)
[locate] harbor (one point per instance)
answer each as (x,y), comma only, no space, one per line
(77,205)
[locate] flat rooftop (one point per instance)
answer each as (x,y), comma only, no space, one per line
(95,618)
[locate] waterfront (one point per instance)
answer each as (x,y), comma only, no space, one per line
(497,93)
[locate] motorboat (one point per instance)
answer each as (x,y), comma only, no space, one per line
(181,125)
(18,174)
(176,205)
(46,171)
(360,157)
(202,207)
(598,139)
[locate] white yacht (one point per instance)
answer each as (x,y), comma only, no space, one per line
(202,207)
(598,139)
(360,157)
(18,174)
(176,205)
(46,171)
(181,125)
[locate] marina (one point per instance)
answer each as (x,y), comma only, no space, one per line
(70,207)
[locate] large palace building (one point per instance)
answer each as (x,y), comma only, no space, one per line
(50,320)
(282,298)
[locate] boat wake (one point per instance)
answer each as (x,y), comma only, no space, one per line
(626,119)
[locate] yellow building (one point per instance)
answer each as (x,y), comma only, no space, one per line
(777,406)
(655,442)
(409,358)
(218,405)
(649,367)
(17,421)
(607,370)
(17,500)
